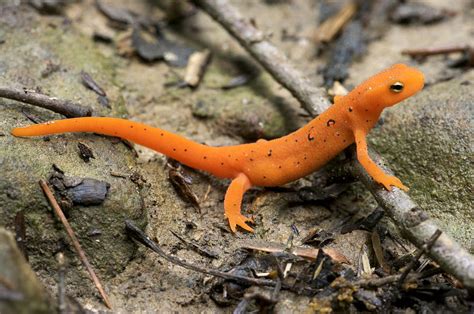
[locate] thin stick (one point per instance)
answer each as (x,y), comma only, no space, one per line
(196,247)
(424,52)
(75,242)
(378,282)
(61,283)
(414,223)
(64,107)
(330,27)
(141,237)
(426,247)
(371,282)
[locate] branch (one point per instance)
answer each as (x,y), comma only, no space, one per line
(64,107)
(75,242)
(413,222)
(141,237)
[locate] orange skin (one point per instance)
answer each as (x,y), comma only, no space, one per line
(275,162)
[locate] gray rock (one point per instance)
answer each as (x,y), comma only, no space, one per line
(20,289)
(24,161)
(429,143)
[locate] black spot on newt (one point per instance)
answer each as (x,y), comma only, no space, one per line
(205,157)
(331,122)
(185,150)
(269,153)
(131,127)
(310,138)
(161,134)
(222,163)
(251,159)
(279,167)
(144,129)
(174,149)
(350,109)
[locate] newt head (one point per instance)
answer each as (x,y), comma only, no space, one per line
(391,86)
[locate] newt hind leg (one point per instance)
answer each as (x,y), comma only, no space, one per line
(233,201)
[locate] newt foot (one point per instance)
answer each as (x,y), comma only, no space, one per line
(239,220)
(389,181)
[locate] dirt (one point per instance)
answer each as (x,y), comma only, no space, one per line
(138,281)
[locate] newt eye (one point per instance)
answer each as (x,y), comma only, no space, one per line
(396,87)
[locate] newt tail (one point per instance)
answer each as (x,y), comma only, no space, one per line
(167,143)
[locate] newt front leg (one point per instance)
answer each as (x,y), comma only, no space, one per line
(371,167)
(233,201)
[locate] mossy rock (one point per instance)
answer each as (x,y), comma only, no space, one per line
(23,162)
(428,140)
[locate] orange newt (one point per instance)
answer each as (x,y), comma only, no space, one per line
(274,162)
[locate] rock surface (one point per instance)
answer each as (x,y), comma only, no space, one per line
(27,295)
(23,162)
(430,144)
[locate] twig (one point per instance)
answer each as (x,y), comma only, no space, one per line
(61,284)
(378,282)
(196,247)
(426,247)
(370,282)
(410,218)
(140,236)
(64,107)
(424,52)
(74,241)
(196,67)
(330,27)
(20,233)
(281,277)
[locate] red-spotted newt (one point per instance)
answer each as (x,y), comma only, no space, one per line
(274,162)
